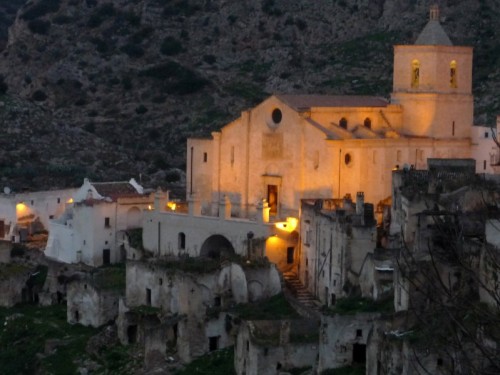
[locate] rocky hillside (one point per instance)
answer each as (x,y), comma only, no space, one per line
(120,84)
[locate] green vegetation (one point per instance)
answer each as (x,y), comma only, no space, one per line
(26,330)
(215,363)
(276,307)
(251,92)
(194,265)
(353,305)
(39,26)
(348,370)
(174,78)
(171,46)
(8,270)
(40,9)
(145,310)
(135,238)
(38,339)
(111,277)
(101,14)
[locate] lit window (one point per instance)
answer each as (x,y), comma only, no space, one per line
(453,74)
(415,73)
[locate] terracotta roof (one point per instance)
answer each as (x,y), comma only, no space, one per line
(115,190)
(301,102)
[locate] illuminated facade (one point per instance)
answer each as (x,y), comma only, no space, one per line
(293,147)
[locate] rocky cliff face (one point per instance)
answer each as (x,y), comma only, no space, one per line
(122,83)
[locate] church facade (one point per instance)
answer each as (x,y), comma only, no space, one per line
(293,147)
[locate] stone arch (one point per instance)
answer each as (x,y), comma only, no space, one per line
(216,246)
(134,217)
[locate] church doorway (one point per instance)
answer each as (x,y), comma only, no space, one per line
(272,199)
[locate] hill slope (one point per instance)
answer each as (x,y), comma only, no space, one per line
(136,77)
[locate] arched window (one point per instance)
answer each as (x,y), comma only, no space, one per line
(343,123)
(368,123)
(415,73)
(453,74)
(182,241)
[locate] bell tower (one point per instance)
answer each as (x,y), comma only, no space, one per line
(432,80)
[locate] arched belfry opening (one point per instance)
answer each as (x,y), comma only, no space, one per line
(415,73)
(453,74)
(216,246)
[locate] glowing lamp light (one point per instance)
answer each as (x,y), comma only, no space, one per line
(150,207)
(172,205)
(289,225)
(21,207)
(70,200)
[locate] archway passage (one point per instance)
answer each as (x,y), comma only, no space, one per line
(216,246)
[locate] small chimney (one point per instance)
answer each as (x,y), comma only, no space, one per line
(360,203)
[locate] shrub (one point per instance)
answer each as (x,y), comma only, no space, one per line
(62,20)
(89,127)
(175,78)
(40,9)
(269,8)
(39,96)
(3,86)
(141,109)
(100,45)
(132,50)
(100,14)
(39,26)
(172,176)
(171,46)
(209,59)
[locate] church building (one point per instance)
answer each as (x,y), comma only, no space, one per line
(293,147)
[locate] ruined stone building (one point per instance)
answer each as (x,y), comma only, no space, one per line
(267,347)
(188,301)
(439,232)
(336,237)
(93,226)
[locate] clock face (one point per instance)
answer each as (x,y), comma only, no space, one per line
(276,117)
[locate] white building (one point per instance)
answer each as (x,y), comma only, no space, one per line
(93,227)
(22,214)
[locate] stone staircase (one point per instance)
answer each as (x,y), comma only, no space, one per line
(299,291)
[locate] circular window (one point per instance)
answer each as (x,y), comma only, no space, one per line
(276,116)
(347,159)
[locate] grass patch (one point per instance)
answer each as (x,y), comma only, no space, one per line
(25,331)
(9,270)
(111,277)
(274,308)
(353,305)
(215,363)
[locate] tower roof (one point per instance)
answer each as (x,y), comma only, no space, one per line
(433,33)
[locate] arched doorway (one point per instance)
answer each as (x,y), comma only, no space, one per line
(216,246)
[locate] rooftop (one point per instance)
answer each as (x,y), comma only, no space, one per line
(433,34)
(304,102)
